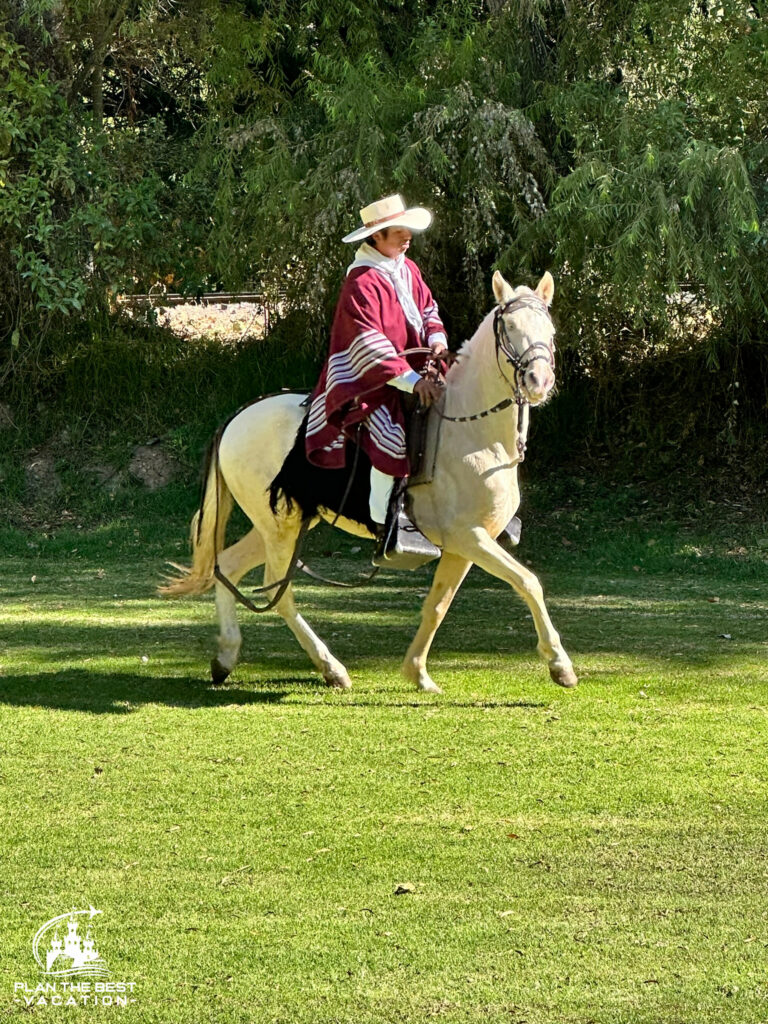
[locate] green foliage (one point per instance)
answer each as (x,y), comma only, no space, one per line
(92,207)
(40,170)
(67,225)
(202,145)
(659,213)
(618,144)
(432,110)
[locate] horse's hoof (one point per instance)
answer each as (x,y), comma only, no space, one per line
(428,686)
(218,672)
(564,677)
(338,680)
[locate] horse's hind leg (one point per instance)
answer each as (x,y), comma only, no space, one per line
(279,556)
(234,562)
(447,579)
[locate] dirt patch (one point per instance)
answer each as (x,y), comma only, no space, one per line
(228,322)
(152,466)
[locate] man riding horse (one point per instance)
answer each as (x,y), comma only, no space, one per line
(384,309)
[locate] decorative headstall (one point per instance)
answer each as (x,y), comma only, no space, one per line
(520,361)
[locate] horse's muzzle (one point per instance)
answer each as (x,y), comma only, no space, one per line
(538,381)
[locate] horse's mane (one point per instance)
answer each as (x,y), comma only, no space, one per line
(465,354)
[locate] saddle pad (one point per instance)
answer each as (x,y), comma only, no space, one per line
(313,488)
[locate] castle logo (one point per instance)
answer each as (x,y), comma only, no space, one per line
(67,953)
(73,971)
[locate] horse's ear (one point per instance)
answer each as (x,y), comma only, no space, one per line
(545,289)
(501,289)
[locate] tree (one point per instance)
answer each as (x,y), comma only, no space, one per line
(97,134)
(416,97)
(619,144)
(658,205)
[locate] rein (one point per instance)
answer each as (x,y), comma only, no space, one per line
(296,561)
(282,585)
(315,575)
(505,403)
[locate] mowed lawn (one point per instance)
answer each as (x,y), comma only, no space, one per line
(273,851)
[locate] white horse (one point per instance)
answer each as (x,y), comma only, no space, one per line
(471,498)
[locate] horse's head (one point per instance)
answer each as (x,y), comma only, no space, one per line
(525,336)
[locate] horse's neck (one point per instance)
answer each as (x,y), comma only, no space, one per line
(476,384)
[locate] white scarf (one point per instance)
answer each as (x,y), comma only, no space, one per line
(396,272)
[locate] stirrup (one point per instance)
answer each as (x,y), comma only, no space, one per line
(402,546)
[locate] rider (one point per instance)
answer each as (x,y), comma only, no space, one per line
(384,308)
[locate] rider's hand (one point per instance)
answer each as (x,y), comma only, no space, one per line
(439,349)
(427,391)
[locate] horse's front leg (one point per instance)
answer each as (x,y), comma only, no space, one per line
(448,578)
(482,549)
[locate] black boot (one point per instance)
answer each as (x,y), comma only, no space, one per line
(381,537)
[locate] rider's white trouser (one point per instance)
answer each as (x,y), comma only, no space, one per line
(381,488)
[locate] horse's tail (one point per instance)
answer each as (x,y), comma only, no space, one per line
(207,531)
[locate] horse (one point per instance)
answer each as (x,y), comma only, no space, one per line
(507,366)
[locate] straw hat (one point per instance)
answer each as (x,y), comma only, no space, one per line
(389,213)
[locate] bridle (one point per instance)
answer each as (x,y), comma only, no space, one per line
(520,361)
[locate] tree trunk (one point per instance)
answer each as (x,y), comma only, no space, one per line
(97,86)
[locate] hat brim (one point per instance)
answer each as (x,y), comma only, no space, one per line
(415,219)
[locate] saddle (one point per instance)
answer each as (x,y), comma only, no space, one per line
(422,438)
(402,545)
(423,441)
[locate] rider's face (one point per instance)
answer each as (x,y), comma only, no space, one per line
(392,242)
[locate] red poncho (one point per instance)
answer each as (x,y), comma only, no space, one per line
(369,333)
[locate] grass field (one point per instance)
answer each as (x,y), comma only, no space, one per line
(272,851)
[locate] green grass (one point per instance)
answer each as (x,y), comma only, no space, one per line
(589,856)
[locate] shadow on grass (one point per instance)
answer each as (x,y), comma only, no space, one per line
(122,693)
(644,632)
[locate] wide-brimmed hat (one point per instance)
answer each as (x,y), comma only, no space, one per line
(389,213)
